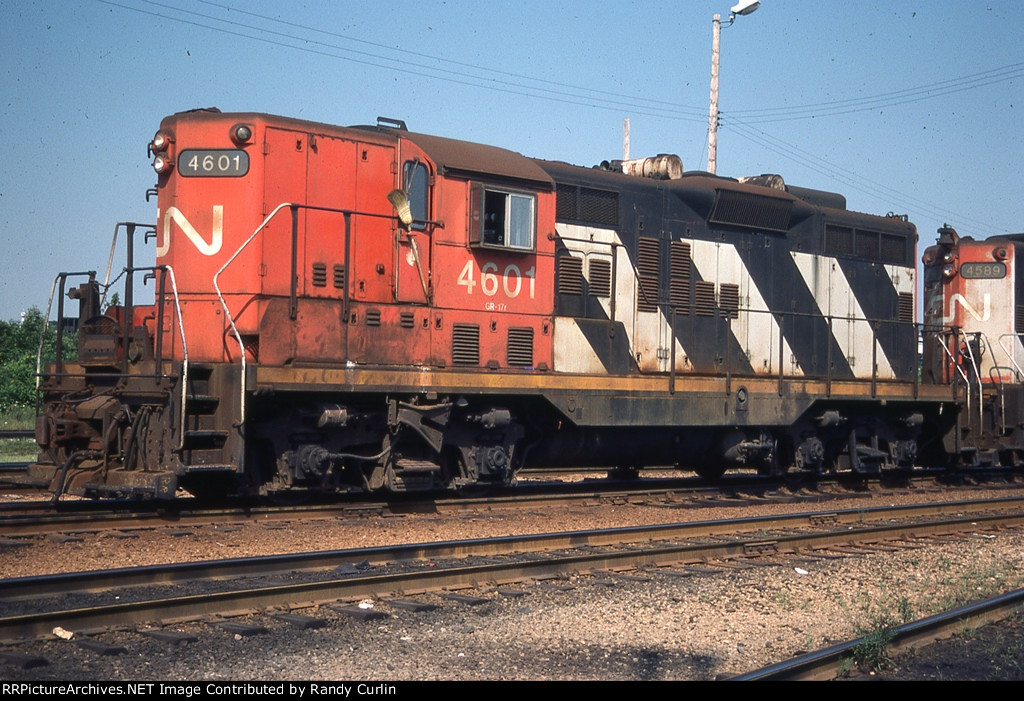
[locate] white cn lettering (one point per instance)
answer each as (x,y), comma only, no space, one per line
(207,249)
(984,316)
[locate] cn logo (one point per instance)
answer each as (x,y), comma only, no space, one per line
(959,298)
(173,215)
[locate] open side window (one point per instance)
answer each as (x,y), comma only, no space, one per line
(501,218)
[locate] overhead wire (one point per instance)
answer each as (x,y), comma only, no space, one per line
(852,179)
(475,76)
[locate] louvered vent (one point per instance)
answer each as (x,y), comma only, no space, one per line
(339,277)
(373,317)
(520,347)
(751,211)
(319,274)
(729,298)
(679,277)
(907,307)
(565,204)
(1018,318)
(466,344)
(570,275)
(407,320)
(648,259)
(600,277)
(705,305)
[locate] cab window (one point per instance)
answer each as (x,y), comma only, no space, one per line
(416,181)
(503,218)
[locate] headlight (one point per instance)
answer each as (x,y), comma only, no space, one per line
(241,133)
(162,164)
(161,140)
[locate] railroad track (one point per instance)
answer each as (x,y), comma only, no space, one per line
(832,662)
(686,549)
(27,518)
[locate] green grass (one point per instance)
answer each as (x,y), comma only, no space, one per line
(18,417)
(18,449)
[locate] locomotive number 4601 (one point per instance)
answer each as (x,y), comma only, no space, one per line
(511,280)
(222,163)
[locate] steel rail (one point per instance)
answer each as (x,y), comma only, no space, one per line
(435,578)
(827,663)
(34,586)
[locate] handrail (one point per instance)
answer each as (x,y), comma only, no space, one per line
(346,213)
(62,277)
(184,346)
(158,360)
(980,338)
(1009,352)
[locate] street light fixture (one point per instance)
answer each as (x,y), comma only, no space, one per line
(740,9)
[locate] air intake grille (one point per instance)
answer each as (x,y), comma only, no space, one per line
(466,344)
(729,298)
(599,206)
(600,277)
(565,206)
(907,307)
(1018,319)
(705,298)
(584,204)
(339,277)
(894,249)
(648,265)
(520,347)
(407,320)
(570,275)
(320,274)
(373,317)
(751,211)
(679,277)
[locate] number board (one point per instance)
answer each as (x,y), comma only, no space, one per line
(213,163)
(993,271)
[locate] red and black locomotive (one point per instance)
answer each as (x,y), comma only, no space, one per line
(370,308)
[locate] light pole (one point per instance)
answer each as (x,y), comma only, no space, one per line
(744,7)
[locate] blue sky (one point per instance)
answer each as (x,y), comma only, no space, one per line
(903,107)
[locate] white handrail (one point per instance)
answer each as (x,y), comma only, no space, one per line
(224,306)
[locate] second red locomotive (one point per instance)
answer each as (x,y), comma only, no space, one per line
(366,308)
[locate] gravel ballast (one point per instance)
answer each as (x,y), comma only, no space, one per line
(696,627)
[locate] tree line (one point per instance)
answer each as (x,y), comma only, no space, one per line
(19,344)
